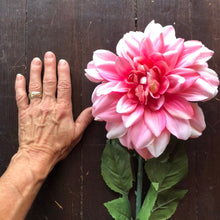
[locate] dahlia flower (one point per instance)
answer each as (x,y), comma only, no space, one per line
(149,88)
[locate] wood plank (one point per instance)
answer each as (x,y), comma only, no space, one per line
(102,23)
(12,61)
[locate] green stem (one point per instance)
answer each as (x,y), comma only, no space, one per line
(139,185)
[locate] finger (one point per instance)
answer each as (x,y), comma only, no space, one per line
(49,79)
(20,92)
(64,83)
(83,120)
(35,78)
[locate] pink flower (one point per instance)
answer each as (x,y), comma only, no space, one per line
(149,89)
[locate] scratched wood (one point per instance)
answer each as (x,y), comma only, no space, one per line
(73,29)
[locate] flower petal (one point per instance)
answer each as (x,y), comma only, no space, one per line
(126,105)
(128,46)
(169,34)
(208,75)
(104,62)
(115,130)
(104,107)
(92,74)
(144,152)
(171,58)
(155,121)
(178,127)
(110,87)
(125,140)
(188,59)
(147,47)
(130,119)
(197,122)
(156,104)
(123,67)
(205,55)
(178,107)
(153,31)
(140,135)
(200,90)
(160,143)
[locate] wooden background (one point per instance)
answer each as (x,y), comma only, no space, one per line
(73,29)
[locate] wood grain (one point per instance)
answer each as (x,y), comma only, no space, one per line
(73,29)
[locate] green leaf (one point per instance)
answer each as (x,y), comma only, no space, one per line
(166,204)
(148,204)
(168,169)
(116,167)
(119,209)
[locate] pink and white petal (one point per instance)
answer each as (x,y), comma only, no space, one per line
(160,143)
(125,140)
(126,105)
(171,58)
(128,46)
(200,90)
(178,127)
(155,121)
(176,83)
(93,75)
(104,62)
(130,119)
(177,44)
(102,56)
(123,67)
(164,85)
(144,153)
(188,59)
(156,104)
(153,31)
(147,47)
(191,46)
(115,130)
(110,87)
(178,107)
(205,54)
(197,122)
(104,108)
(169,34)
(208,75)
(140,134)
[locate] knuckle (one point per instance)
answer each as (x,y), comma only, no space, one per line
(49,82)
(64,85)
(35,86)
(20,97)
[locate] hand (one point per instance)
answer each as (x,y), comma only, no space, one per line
(46,126)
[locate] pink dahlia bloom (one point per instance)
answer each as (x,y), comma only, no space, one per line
(149,88)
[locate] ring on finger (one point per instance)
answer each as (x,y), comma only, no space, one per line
(33,95)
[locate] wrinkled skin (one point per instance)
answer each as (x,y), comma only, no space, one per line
(46,125)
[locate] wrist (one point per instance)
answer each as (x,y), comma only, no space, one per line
(34,160)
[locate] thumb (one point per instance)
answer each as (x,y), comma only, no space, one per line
(83,120)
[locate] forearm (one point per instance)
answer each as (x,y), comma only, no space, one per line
(19,186)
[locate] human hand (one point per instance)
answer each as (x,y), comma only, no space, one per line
(46,125)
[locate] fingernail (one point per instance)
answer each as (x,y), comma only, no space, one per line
(19,76)
(49,54)
(62,62)
(36,61)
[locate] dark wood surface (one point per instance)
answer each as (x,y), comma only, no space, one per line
(73,29)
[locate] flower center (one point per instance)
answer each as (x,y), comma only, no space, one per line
(147,82)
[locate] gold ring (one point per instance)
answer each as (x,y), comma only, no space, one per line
(33,95)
